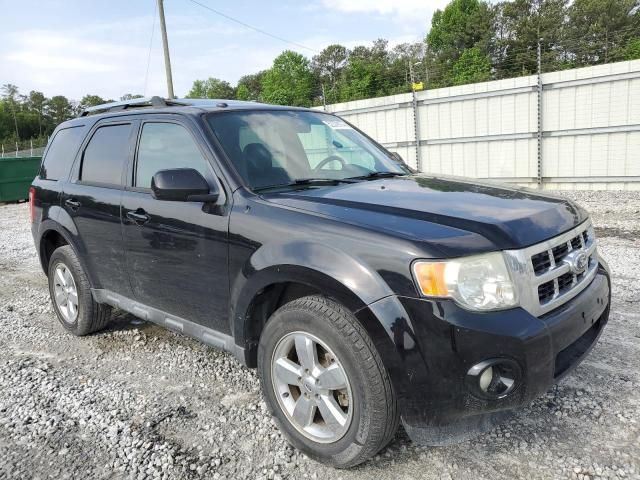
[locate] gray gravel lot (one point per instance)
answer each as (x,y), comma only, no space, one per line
(137,401)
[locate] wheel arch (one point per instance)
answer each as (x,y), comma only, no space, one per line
(273,287)
(53,235)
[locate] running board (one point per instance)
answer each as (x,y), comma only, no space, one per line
(199,332)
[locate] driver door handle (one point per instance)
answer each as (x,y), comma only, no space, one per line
(139,216)
(72,203)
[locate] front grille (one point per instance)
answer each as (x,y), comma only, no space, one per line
(552,259)
(549,274)
(541,262)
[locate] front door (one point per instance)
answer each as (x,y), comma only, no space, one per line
(176,252)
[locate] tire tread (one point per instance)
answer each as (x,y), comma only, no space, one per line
(98,315)
(378,378)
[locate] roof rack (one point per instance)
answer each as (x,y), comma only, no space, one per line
(135,102)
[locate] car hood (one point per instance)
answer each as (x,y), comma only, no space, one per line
(443,211)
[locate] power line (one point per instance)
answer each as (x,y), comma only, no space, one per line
(251,27)
(153,27)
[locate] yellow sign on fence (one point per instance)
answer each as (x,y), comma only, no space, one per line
(418,86)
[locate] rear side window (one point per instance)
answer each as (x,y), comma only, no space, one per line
(106,154)
(61,153)
(164,146)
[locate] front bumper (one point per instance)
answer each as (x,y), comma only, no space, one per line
(437,342)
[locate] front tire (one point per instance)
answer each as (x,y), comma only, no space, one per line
(325,382)
(70,294)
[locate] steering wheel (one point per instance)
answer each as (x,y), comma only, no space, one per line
(329,159)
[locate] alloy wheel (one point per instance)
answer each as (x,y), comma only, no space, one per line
(65,293)
(312,387)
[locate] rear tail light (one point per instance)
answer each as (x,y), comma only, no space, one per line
(32,207)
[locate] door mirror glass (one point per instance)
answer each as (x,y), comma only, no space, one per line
(182,185)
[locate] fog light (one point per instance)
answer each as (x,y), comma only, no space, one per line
(485,379)
(494,378)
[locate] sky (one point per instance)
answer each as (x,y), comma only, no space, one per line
(76,47)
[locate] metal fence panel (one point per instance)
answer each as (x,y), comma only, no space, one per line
(589,132)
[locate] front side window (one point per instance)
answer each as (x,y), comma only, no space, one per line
(106,154)
(63,149)
(165,146)
(279,147)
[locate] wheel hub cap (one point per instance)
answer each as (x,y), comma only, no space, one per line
(65,293)
(312,387)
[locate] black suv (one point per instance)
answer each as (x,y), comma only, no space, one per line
(364,293)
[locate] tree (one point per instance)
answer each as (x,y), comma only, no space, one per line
(10,95)
(60,109)
(91,101)
(632,52)
(289,81)
(37,103)
(328,66)
(402,59)
(600,30)
(211,88)
(524,23)
(472,66)
(462,24)
(250,86)
(367,73)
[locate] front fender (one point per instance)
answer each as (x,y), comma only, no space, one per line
(316,265)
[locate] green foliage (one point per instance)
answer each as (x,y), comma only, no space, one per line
(328,67)
(32,117)
(91,101)
(632,52)
(60,109)
(212,88)
(463,24)
(289,81)
(242,93)
(472,66)
(603,29)
(250,87)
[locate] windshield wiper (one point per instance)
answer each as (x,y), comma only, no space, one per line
(306,181)
(372,175)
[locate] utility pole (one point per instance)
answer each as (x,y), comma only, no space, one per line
(165,46)
(539,170)
(416,119)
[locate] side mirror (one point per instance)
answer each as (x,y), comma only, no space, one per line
(182,185)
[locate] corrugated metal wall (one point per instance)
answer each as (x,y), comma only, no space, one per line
(589,128)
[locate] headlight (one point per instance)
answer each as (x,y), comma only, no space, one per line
(480,282)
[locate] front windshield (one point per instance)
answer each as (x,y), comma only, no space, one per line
(273,148)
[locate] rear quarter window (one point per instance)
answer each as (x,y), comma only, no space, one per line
(59,157)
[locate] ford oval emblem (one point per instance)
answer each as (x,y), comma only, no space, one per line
(577,261)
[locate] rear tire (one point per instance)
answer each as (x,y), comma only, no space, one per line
(71,296)
(361,411)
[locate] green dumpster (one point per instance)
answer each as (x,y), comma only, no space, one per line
(16,174)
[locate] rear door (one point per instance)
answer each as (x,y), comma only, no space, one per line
(92,199)
(176,251)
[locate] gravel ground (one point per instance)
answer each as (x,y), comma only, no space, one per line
(138,401)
